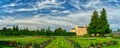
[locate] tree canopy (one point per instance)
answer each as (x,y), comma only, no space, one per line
(16,31)
(99,24)
(93,26)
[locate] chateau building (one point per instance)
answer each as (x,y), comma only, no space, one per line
(79,30)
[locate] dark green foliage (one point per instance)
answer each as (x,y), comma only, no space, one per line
(99,24)
(15,31)
(93,26)
(48,31)
(104,26)
(59,31)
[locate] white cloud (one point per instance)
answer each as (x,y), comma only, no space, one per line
(53,11)
(81,18)
(45,21)
(36,6)
(66,11)
(46,3)
(26,9)
(9,5)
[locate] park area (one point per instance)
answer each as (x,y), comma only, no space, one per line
(59,42)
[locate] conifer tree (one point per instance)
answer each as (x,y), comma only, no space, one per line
(118,30)
(104,26)
(93,26)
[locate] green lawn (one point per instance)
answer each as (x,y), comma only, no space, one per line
(61,42)
(25,40)
(114,46)
(86,42)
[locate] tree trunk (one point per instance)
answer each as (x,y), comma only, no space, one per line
(95,35)
(103,35)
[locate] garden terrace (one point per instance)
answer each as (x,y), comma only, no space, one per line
(25,41)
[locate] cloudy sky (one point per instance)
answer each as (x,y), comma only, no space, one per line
(37,14)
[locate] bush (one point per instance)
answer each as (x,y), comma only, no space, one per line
(111,35)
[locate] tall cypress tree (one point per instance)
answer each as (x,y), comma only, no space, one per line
(93,26)
(17,28)
(104,26)
(118,30)
(14,28)
(48,31)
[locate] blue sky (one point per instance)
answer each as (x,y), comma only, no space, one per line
(37,14)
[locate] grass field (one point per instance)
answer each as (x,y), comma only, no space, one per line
(61,42)
(114,46)
(86,42)
(24,40)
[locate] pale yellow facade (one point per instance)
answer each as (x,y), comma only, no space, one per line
(79,30)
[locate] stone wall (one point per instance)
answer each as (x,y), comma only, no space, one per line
(79,30)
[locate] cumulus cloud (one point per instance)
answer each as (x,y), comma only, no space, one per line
(78,17)
(35,5)
(26,9)
(9,5)
(113,17)
(38,21)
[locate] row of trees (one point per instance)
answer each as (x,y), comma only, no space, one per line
(15,31)
(118,30)
(99,24)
